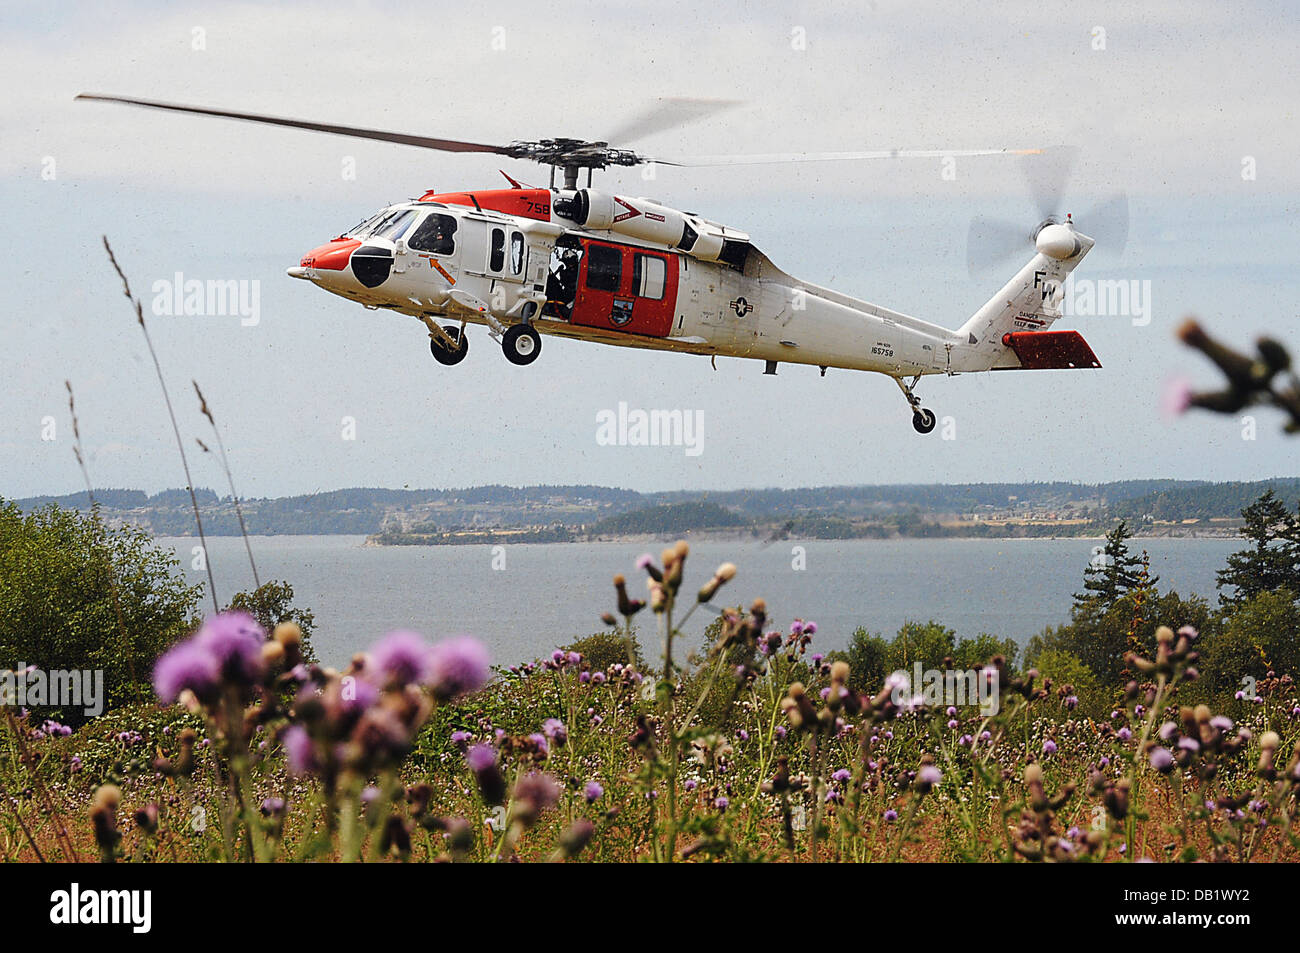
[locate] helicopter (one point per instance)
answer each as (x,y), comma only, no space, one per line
(588,264)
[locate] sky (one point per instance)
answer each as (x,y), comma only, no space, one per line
(1189,109)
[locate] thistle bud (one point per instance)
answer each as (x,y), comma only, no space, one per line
(273,655)
(573,840)
(103,819)
(146,818)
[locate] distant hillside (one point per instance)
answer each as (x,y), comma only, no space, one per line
(1203,501)
(670,518)
(579,511)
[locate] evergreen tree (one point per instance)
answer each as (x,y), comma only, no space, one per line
(1112,573)
(1272,562)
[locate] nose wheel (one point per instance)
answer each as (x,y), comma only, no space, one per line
(451,349)
(521,344)
(923,420)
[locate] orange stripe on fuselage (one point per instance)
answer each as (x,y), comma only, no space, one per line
(526,203)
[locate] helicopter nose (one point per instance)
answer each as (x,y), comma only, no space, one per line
(332,256)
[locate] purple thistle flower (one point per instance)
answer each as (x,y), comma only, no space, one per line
(555,730)
(535,793)
(1049,746)
(402,658)
(891,815)
(187,665)
(480,757)
(299,751)
(689,784)
(234,640)
(593,792)
(810,628)
(457,667)
(721,803)
(929,775)
(482,761)
(843,774)
(1162,760)
(1124,734)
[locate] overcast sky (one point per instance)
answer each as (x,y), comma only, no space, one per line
(1168,102)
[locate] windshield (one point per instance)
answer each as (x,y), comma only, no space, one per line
(363,227)
(388,223)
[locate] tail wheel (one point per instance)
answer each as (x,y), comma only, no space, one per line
(923,420)
(521,344)
(440,352)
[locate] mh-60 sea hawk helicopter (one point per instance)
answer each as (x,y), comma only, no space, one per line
(583,263)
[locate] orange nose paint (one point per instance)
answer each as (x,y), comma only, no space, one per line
(332,256)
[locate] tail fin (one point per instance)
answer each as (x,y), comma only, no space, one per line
(998,335)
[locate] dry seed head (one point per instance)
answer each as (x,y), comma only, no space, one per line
(272,654)
(287,634)
(107,796)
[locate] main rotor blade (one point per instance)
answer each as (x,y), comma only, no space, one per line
(775,157)
(990,243)
(423,142)
(668,113)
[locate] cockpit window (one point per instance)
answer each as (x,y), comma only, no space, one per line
(394,228)
(363,227)
(390,223)
(436,234)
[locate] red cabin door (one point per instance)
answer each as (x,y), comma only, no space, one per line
(628,289)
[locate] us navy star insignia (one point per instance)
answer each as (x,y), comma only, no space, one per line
(741,307)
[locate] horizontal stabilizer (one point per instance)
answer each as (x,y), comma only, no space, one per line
(1050,350)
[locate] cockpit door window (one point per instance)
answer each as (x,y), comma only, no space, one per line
(435,235)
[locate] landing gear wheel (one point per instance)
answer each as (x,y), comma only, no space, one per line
(923,420)
(521,344)
(440,352)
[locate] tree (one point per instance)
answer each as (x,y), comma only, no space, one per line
(1112,573)
(78,594)
(1100,639)
(1272,563)
(1262,634)
(271,604)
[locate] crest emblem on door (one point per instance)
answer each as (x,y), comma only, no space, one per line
(621,313)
